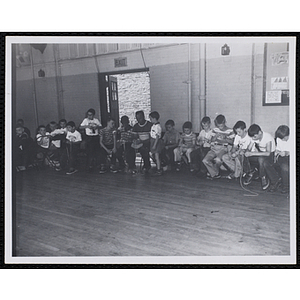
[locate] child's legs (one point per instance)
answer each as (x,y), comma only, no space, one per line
(157,160)
(73,150)
(269,168)
(177,155)
(229,162)
(188,153)
(119,156)
(220,154)
(208,162)
(130,155)
(196,157)
(144,150)
(284,163)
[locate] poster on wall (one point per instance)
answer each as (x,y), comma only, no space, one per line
(276,69)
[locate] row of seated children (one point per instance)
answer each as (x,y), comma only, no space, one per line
(239,150)
(205,153)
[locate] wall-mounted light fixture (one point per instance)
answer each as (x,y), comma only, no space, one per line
(225,50)
(41,73)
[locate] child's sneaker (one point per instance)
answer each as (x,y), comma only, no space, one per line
(71,171)
(158,173)
(178,166)
(102,170)
(265,183)
(113,169)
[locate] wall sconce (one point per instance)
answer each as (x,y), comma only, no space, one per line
(225,50)
(41,73)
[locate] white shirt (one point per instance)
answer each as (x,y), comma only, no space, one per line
(155,131)
(44,140)
(74,136)
(283,145)
(205,136)
(242,143)
(267,137)
(89,122)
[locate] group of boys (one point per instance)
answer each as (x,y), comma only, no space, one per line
(244,153)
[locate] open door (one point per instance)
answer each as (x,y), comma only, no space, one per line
(113,98)
(109,102)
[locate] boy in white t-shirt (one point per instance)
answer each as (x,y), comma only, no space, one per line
(282,154)
(264,156)
(91,125)
(233,159)
(73,140)
(202,146)
(156,143)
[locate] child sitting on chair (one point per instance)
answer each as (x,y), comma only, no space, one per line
(234,158)
(222,137)
(108,146)
(126,139)
(187,144)
(282,155)
(73,140)
(43,140)
(156,143)
(171,140)
(24,149)
(202,147)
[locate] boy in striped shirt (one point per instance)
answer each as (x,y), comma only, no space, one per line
(187,144)
(222,136)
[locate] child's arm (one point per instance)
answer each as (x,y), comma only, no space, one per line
(266,153)
(115,141)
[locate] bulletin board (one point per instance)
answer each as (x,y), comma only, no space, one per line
(276,74)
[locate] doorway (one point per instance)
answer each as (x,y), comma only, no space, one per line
(124,94)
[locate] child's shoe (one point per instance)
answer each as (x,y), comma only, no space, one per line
(158,173)
(113,169)
(265,183)
(102,169)
(71,171)
(275,186)
(284,190)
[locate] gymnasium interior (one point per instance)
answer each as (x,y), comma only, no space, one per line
(89,217)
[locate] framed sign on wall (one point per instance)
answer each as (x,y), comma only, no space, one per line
(275,74)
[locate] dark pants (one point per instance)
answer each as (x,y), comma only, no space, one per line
(265,166)
(72,151)
(129,153)
(144,150)
(92,149)
(283,166)
(167,156)
(197,156)
(114,157)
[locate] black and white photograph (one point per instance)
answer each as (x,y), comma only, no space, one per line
(150,150)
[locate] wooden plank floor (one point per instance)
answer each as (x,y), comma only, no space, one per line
(177,214)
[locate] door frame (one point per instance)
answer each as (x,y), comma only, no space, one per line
(102,90)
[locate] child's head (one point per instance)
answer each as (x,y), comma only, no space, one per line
(125,121)
(19,129)
(62,123)
(110,123)
(169,125)
(140,117)
(53,125)
(205,123)
(282,132)
(187,127)
(20,121)
(90,113)
(42,130)
(154,116)
(255,132)
(220,121)
(71,126)
(240,128)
